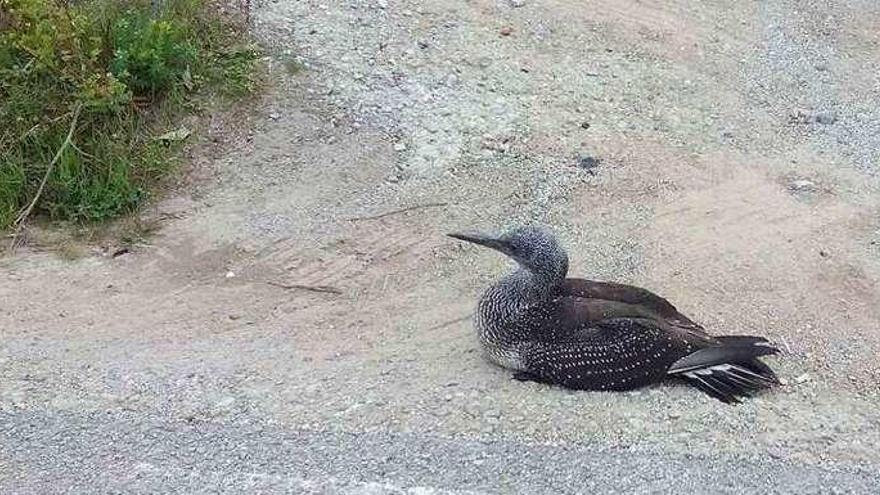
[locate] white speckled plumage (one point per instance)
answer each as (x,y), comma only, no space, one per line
(600,336)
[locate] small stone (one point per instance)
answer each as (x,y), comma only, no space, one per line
(506,31)
(825,118)
(587,162)
(234,317)
(230,274)
(802,185)
(423,44)
(799,116)
(585,125)
(674,415)
(802,378)
(823,253)
(516,3)
(274,116)
(500,144)
(399,147)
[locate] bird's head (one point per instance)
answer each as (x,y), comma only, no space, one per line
(535,248)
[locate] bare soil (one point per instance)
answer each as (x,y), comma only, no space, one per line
(710,190)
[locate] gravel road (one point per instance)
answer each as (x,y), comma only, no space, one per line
(128,453)
(723,154)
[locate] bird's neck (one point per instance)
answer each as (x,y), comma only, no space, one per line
(523,287)
(503,306)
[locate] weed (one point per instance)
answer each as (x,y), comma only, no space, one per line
(127,71)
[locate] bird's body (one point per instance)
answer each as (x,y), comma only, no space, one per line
(583,334)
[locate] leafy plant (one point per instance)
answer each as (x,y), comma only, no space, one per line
(150,57)
(127,71)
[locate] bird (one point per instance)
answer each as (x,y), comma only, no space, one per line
(592,335)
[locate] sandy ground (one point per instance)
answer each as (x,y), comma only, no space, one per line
(739,175)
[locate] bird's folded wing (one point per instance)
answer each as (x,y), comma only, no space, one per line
(629,295)
(611,354)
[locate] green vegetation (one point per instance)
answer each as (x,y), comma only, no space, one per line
(88,87)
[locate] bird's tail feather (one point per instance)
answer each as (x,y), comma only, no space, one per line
(729,370)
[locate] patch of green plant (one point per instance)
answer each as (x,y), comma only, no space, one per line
(112,74)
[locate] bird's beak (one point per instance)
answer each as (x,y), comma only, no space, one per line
(483,240)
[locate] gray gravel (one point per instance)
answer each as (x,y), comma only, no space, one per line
(735,156)
(106,452)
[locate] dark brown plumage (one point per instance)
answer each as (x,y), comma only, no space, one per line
(590,335)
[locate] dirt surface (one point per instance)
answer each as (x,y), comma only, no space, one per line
(735,170)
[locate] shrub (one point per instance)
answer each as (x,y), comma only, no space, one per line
(150,56)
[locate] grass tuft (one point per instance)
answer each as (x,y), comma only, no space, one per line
(118,72)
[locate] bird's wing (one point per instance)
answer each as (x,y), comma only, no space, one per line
(609,354)
(629,295)
(596,345)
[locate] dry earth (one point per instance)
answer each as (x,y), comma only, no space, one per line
(739,175)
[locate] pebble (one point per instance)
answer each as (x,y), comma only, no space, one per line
(230,274)
(802,378)
(801,116)
(825,118)
(587,162)
(493,143)
(506,31)
(399,147)
(802,185)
